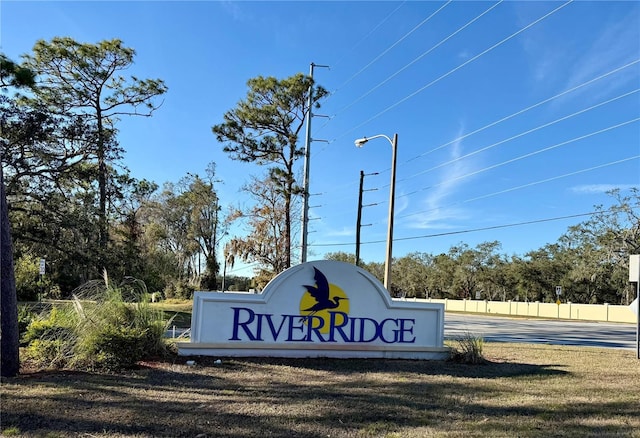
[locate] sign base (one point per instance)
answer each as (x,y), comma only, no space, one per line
(303,351)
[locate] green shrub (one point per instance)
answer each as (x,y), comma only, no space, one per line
(11,431)
(29,283)
(100,330)
(25,316)
(49,353)
(27,275)
(113,348)
(57,324)
(50,337)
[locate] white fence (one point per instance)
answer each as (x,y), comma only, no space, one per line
(586,312)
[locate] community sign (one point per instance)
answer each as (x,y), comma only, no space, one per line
(316,309)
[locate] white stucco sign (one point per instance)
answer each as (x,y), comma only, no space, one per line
(316,309)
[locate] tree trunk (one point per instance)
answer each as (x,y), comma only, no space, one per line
(287,232)
(102,188)
(9,337)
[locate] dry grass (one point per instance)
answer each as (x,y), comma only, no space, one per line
(522,390)
(173,305)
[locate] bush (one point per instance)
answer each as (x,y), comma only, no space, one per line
(49,353)
(27,275)
(179,289)
(57,324)
(100,330)
(25,317)
(112,348)
(29,283)
(49,338)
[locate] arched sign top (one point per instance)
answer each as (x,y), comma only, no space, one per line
(345,275)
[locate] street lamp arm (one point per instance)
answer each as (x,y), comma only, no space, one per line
(361,141)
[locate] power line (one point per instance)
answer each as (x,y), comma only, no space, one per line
(522,186)
(522,111)
(472,230)
(522,134)
(495,227)
(392,46)
(415,60)
(242,268)
(511,189)
(521,157)
(510,116)
(371,32)
(455,69)
(530,154)
(539,151)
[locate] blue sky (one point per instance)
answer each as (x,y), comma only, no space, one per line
(506,112)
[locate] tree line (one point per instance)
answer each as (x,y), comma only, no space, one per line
(590,262)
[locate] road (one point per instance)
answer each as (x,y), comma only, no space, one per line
(556,332)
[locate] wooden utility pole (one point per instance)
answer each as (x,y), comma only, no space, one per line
(359,218)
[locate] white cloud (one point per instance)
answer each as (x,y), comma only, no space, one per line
(616,46)
(567,59)
(464,54)
(435,215)
(340,232)
(234,8)
(600,188)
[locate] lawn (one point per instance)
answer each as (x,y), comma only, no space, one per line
(523,390)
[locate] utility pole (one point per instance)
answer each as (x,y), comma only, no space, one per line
(359,218)
(307,158)
(394,150)
(392,197)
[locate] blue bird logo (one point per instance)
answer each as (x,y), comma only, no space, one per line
(321,293)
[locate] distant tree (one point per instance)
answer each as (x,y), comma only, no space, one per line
(541,271)
(599,250)
(411,273)
(266,243)
(235,283)
(130,254)
(263,129)
(186,219)
(376,269)
(498,278)
(15,76)
(85,78)
(341,257)
(206,226)
(440,282)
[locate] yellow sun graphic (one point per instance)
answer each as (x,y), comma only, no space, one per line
(308,301)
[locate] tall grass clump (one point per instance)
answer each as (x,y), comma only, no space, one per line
(104,327)
(468,349)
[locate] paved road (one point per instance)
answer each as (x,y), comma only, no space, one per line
(557,332)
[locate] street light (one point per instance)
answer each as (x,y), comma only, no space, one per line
(394,143)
